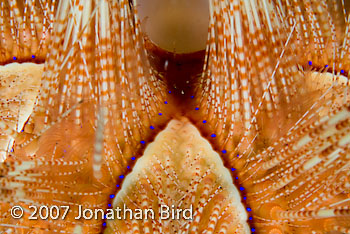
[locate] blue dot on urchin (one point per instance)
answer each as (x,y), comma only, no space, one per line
(310,63)
(151,127)
(33,56)
(112,196)
(121,176)
(213,135)
(133,158)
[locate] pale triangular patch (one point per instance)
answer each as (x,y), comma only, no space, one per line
(179,170)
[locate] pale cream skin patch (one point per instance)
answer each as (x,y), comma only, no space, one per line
(180,170)
(19,86)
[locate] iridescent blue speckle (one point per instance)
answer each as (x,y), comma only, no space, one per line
(33,56)
(197,108)
(224,151)
(132,158)
(233,169)
(151,127)
(204,121)
(213,135)
(111,196)
(241,188)
(160,114)
(249,209)
(310,63)
(142,142)
(121,176)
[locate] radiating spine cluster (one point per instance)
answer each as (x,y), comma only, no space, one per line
(258,58)
(96,69)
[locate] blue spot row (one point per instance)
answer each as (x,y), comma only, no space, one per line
(132,158)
